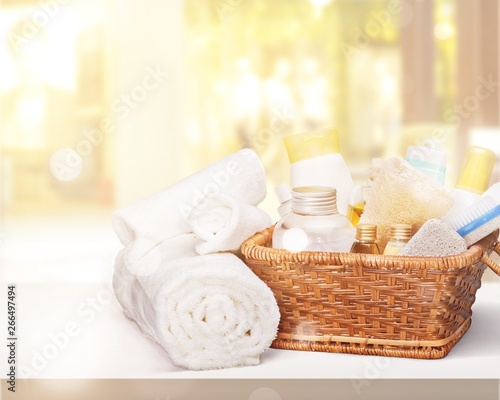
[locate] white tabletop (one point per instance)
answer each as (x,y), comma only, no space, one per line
(75,330)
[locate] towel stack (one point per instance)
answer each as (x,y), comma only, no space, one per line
(177,276)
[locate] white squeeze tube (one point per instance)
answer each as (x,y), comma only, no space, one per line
(316,161)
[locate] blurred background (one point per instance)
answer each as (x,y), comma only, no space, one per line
(104,102)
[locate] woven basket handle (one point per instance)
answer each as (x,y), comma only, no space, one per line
(489,262)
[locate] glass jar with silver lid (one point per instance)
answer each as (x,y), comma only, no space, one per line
(314,223)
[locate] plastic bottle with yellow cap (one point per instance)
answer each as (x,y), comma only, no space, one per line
(473,180)
(316,161)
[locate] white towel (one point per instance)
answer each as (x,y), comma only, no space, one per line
(224,223)
(143,257)
(163,215)
(206,312)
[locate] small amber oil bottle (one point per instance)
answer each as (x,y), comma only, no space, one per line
(366,235)
(400,235)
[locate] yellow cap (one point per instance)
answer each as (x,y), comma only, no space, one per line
(476,170)
(312,144)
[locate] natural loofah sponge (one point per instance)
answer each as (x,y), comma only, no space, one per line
(403,195)
(435,238)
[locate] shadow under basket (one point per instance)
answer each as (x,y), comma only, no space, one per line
(399,306)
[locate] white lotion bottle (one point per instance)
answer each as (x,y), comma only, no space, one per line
(473,180)
(316,161)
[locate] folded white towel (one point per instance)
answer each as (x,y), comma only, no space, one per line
(206,312)
(143,257)
(224,223)
(163,215)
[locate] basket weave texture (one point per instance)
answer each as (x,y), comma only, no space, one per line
(414,307)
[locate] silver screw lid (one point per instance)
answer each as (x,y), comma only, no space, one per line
(314,200)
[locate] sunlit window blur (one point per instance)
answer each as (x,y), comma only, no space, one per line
(52,91)
(385,73)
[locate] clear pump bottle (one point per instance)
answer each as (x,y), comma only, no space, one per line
(314,223)
(400,235)
(366,236)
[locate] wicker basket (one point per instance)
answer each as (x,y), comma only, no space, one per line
(415,307)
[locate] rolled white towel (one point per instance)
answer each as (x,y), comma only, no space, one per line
(163,215)
(224,223)
(143,257)
(206,312)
